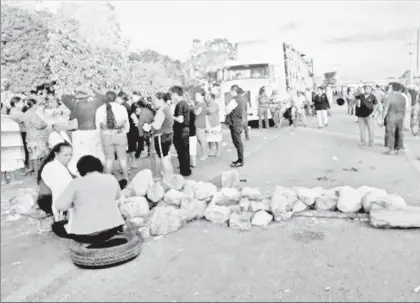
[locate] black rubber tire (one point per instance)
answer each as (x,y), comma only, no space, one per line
(85,257)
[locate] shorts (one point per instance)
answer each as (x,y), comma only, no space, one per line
(114,144)
(162,144)
(132,140)
(193,146)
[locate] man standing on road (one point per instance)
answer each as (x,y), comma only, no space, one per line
(263,103)
(321,107)
(365,108)
(181,129)
(234,118)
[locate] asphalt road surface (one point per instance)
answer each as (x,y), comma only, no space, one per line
(301,260)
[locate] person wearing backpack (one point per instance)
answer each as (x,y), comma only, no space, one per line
(365,109)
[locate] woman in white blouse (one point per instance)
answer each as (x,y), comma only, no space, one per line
(56,175)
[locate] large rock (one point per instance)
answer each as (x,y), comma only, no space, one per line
(262,218)
(190,184)
(282,200)
(137,222)
(251,193)
(299,206)
(217,214)
(134,207)
(260,205)
(349,200)
(308,195)
(192,209)
(156,192)
(173,197)
(25,201)
(364,189)
(173,181)
(241,221)
(371,197)
(228,196)
(327,200)
(141,182)
(230,178)
(128,192)
(408,217)
(189,188)
(164,220)
(389,202)
(205,191)
(245,205)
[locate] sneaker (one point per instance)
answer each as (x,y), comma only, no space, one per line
(237,164)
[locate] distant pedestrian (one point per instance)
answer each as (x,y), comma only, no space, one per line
(393,114)
(321,107)
(244,98)
(351,101)
(234,120)
(263,108)
(275,108)
(181,129)
(365,110)
(200,110)
(214,130)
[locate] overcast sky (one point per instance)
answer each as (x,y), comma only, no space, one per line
(364,40)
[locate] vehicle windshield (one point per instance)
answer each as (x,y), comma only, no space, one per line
(239,72)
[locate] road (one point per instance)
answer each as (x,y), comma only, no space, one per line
(301,260)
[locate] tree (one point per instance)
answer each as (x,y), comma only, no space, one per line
(208,57)
(83,53)
(24,35)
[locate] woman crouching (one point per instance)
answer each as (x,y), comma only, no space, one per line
(91,202)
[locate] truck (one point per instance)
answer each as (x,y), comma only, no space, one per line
(273,64)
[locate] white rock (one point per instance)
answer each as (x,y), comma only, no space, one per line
(308,195)
(284,216)
(349,200)
(230,178)
(245,205)
(156,192)
(251,193)
(282,200)
(262,218)
(235,208)
(128,192)
(23,203)
(299,206)
(173,197)
(144,232)
(364,189)
(228,196)
(164,220)
(205,191)
(190,184)
(261,205)
(241,221)
(141,182)
(173,181)
(217,214)
(389,202)
(192,209)
(327,200)
(134,207)
(137,222)
(371,197)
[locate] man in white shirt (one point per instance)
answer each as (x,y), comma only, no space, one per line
(112,121)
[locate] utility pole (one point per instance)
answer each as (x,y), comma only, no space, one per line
(410,53)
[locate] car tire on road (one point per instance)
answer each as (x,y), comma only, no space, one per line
(119,249)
